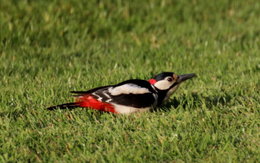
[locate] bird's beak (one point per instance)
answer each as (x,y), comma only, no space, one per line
(184,77)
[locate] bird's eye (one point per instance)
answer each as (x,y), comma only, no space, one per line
(170,79)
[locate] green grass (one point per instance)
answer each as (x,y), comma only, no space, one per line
(48,48)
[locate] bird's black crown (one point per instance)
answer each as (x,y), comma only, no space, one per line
(162,75)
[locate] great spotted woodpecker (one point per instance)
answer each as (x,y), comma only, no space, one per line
(130,96)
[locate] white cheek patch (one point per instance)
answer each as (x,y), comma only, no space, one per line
(162,85)
(127,89)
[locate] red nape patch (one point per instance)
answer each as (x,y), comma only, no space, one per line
(152,81)
(90,102)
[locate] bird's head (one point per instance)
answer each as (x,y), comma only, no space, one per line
(168,82)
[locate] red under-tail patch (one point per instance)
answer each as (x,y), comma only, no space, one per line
(90,102)
(152,81)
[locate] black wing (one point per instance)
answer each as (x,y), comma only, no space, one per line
(135,100)
(137,93)
(130,94)
(90,91)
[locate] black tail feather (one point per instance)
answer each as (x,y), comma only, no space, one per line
(71,105)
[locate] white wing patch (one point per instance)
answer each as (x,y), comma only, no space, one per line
(99,97)
(127,89)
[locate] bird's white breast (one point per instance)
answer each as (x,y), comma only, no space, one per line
(128,109)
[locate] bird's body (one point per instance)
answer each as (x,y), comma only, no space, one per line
(127,97)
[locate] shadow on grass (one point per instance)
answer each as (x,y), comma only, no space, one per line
(12,114)
(196,100)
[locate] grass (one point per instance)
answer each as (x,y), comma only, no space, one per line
(48,48)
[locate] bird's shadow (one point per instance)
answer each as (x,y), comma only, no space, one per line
(195,100)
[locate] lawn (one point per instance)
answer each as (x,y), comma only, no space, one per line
(51,47)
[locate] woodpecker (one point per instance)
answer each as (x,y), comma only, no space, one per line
(130,96)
